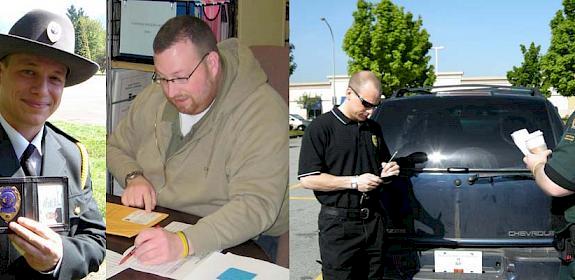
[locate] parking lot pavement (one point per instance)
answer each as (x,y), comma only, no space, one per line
(84,103)
(304,208)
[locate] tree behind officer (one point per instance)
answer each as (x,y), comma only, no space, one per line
(341,156)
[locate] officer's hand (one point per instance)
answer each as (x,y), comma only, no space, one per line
(40,245)
(531,160)
(389,169)
(140,193)
(367,182)
(156,246)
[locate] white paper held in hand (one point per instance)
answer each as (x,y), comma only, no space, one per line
(520,138)
(536,142)
(529,143)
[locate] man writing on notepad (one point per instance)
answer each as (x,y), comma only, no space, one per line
(345,161)
(208,138)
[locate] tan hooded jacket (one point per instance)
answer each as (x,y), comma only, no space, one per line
(232,169)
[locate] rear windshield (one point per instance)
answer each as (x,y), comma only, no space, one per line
(472,132)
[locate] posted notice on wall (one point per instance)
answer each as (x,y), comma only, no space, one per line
(140,22)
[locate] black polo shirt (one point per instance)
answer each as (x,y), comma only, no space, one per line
(335,145)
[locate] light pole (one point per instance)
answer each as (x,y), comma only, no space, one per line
(334,99)
(437,57)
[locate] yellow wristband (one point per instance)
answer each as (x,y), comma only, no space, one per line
(184,242)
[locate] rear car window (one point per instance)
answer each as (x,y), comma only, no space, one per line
(471,131)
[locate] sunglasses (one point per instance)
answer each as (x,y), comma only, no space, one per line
(364,102)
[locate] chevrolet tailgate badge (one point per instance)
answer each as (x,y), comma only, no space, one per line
(9,202)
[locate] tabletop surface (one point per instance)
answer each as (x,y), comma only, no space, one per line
(120,244)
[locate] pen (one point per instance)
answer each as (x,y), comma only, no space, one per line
(392,156)
(126,257)
(390,159)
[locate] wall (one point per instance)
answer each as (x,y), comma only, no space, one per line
(262,22)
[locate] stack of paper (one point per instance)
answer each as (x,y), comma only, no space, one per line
(522,137)
(229,266)
(216,266)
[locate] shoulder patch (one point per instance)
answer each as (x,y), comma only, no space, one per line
(569,137)
(83,153)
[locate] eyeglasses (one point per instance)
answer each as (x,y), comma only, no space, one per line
(364,102)
(179,80)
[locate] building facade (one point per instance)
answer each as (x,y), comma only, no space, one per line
(324,92)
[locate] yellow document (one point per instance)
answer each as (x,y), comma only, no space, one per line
(127,221)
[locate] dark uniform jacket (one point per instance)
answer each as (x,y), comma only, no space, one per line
(84,246)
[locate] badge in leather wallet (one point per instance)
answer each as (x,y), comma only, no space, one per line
(43,199)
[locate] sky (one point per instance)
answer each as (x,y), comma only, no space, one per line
(480,38)
(13,10)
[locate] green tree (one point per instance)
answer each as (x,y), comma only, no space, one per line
(529,73)
(558,65)
(74,16)
(307,102)
(391,43)
(96,38)
(90,36)
(82,39)
(292,64)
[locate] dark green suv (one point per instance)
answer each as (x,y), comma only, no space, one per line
(464,205)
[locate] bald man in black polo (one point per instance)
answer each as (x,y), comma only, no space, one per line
(341,160)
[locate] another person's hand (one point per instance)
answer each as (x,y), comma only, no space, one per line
(40,245)
(389,169)
(156,246)
(367,182)
(533,160)
(139,193)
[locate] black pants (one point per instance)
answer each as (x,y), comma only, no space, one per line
(351,247)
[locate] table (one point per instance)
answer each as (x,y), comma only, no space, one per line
(120,244)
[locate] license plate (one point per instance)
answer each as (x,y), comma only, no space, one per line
(452,261)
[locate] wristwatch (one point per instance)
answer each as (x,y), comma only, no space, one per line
(132,175)
(354,182)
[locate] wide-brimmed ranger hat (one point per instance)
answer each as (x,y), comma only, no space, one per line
(49,35)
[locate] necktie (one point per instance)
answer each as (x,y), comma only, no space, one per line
(26,162)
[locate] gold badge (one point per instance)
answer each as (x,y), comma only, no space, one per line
(569,137)
(374,140)
(9,202)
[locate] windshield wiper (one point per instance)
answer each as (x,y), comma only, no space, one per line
(516,176)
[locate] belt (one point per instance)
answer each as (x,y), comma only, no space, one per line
(354,213)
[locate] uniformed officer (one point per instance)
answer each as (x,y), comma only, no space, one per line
(556,177)
(341,160)
(37,61)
